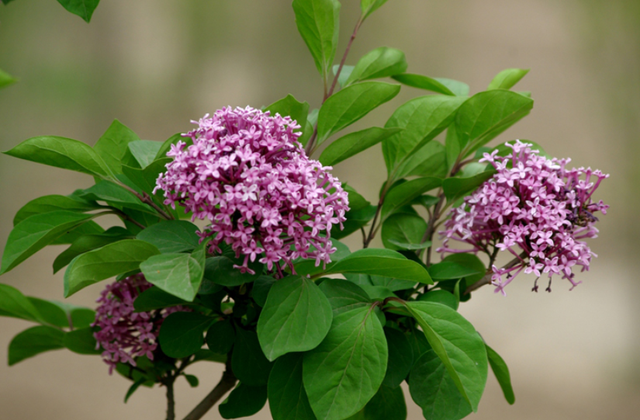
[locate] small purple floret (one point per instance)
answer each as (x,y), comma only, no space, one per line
(536,209)
(247,174)
(125,334)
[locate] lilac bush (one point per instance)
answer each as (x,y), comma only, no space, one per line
(266,288)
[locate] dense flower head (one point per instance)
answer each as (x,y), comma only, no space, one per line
(125,334)
(533,207)
(247,174)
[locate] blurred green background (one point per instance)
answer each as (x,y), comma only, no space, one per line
(157,64)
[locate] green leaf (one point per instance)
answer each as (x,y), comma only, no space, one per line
(144,151)
(34,341)
(455,188)
(401,358)
(34,233)
(116,196)
(382,262)
(458,88)
(134,387)
(182,333)
(14,304)
(506,79)
(220,271)
(5,78)
(391,283)
(296,317)
(243,401)
(404,231)
(220,337)
(260,290)
(108,261)
(435,84)
(350,104)
(287,397)
(248,362)
(433,389)
(51,313)
(172,236)
(82,8)
(344,295)
(468,265)
(87,243)
(177,274)
(423,82)
(112,146)
(290,107)
(60,314)
(500,369)
(403,194)
(421,119)
(192,379)
(346,369)
(344,73)
(354,143)
(318,22)
(81,341)
(155,298)
(61,153)
(387,404)
(71,235)
(486,115)
(145,180)
(370,6)
(381,62)
(441,296)
(51,203)
(457,344)
(430,160)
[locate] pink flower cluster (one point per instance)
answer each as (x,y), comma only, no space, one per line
(533,204)
(247,174)
(125,334)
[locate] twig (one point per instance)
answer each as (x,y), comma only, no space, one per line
(227,382)
(171,403)
(344,58)
(311,143)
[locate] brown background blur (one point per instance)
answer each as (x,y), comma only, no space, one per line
(156,64)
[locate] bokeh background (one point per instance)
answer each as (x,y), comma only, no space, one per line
(157,64)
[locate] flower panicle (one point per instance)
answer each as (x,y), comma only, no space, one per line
(534,208)
(123,333)
(249,177)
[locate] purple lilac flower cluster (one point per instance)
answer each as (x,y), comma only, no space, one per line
(125,334)
(534,204)
(247,174)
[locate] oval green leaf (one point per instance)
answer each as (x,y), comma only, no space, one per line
(296,317)
(62,153)
(382,262)
(350,104)
(37,231)
(346,369)
(457,344)
(354,143)
(381,62)
(110,260)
